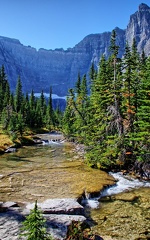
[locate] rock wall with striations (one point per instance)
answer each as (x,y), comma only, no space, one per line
(59,68)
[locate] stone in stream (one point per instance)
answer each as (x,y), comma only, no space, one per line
(126,197)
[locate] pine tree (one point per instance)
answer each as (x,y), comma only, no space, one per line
(142,123)
(78,85)
(58,117)
(69,116)
(32,104)
(4,88)
(26,109)
(99,124)
(50,112)
(80,105)
(34,226)
(42,103)
(18,95)
(117,85)
(6,100)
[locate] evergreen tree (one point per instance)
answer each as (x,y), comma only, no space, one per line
(78,85)
(142,123)
(42,103)
(32,104)
(98,128)
(69,116)
(4,88)
(20,126)
(18,95)
(131,80)
(92,73)
(26,110)
(117,85)
(6,100)
(34,226)
(39,117)
(58,117)
(80,106)
(50,112)
(3,78)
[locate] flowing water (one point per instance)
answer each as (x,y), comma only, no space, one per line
(53,170)
(123,211)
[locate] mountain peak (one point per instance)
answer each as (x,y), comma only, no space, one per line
(143,7)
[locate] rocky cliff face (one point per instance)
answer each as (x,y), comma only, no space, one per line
(59,68)
(139,27)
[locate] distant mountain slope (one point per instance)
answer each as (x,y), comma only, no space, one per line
(59,68)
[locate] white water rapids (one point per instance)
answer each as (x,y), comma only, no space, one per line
(123,184)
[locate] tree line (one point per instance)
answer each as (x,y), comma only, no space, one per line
(110,113)
(21,111)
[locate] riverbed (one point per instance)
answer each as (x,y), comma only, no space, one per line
(54,170)
(48,170)
(124,210)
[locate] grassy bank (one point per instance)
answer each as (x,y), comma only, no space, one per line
(5,141)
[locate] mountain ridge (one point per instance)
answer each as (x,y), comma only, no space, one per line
(42,68)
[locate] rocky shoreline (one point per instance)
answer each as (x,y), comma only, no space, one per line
(59,214)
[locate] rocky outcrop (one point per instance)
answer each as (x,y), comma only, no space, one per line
(139,28)
(59,214)
(59,68)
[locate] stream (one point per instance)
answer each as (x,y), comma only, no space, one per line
(53,170)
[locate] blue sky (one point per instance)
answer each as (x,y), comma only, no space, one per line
(54,24)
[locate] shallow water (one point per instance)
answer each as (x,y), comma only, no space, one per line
(47,171)
(122,211)
(125,216)
(55,171)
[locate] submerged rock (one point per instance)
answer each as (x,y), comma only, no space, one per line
(127,217)
(127,197)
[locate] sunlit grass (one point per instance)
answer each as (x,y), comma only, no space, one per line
(5,141)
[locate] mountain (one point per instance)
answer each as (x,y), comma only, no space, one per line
(59,68)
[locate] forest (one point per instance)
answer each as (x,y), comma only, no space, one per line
(110,114)
(20,112)
(107,111)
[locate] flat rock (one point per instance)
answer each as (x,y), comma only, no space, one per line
(57,224)
(58,206)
